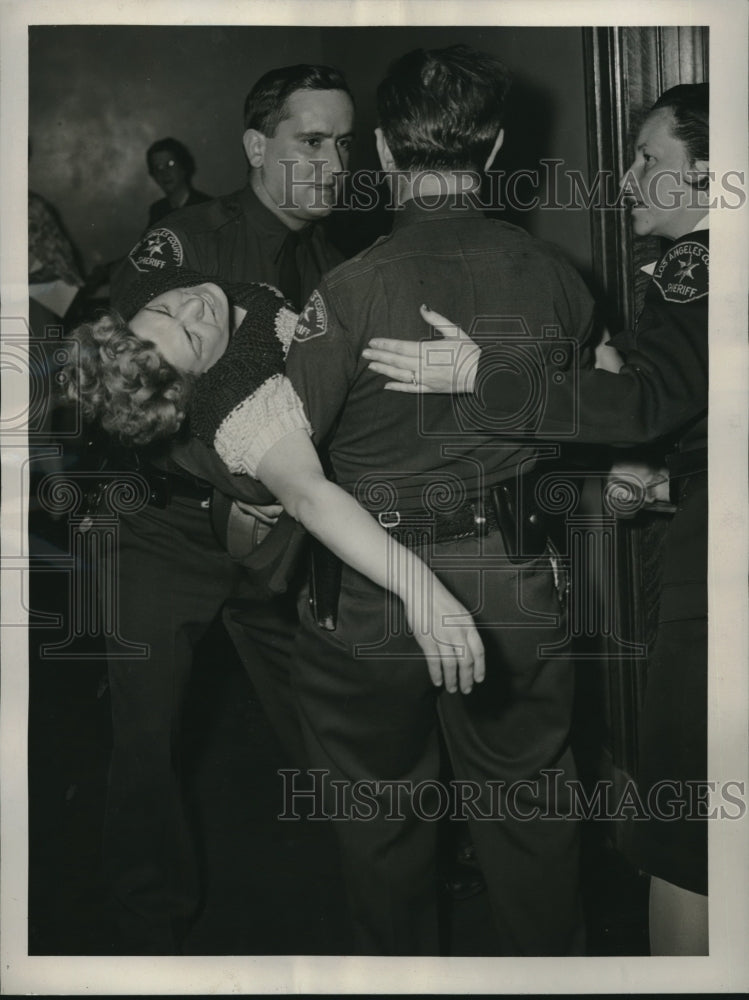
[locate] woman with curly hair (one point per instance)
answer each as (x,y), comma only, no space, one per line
(186,355)
(125,383)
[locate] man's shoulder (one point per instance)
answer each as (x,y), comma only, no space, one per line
(549,261)
(198,197)
(515,239)
(206,215)
(171,241)
(161,205)
(359,265)
(482,233)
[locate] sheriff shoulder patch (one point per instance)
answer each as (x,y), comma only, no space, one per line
(682,274)
(313,319)
(159,249)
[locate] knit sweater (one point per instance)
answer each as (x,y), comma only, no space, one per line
(244,404)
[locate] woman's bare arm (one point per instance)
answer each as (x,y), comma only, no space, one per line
(441,625)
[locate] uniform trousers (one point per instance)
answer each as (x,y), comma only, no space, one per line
(370,713)
(172,580)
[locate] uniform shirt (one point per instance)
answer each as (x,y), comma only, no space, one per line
(490,277)
(164,207)
(234,237)
(660,392)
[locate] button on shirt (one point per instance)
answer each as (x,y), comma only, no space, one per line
(490,277)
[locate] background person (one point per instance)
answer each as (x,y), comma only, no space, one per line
(172,166)
(52,255)
(660,397)
(55,280)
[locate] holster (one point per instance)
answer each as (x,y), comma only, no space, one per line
(524,530)
(324,585)
(522,525)
(271,554)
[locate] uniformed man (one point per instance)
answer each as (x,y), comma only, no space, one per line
(173,576)
(368,711)
(658,397)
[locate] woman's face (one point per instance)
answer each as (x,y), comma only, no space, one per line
(189,326)
(662,201)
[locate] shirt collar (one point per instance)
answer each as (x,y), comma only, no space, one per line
(264,220)
(454,207)
(701,224)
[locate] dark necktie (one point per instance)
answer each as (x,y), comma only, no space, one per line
(289,278)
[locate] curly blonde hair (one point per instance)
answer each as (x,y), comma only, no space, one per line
(124,384)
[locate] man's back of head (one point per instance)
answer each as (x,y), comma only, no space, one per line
(443,109)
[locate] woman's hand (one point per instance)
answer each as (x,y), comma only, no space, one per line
(448,365)
(446,633)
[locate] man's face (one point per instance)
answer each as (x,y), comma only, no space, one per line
(662,202)
(297,171)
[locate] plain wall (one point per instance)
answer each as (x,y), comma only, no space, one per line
(99,95)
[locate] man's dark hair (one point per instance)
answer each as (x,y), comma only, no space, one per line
(689,103)
(176,150)
(442,109)
(266,105)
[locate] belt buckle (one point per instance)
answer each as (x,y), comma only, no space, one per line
(479,518)
(383,518)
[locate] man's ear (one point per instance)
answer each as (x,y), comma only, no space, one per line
(495,148)
(383,151)
(254,147)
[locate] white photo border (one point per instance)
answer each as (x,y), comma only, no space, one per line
(727,967)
